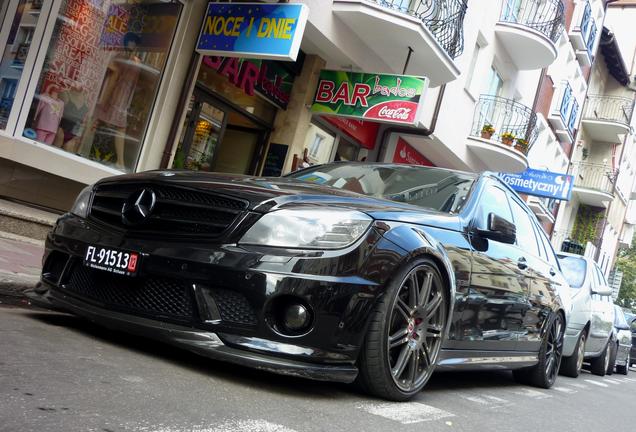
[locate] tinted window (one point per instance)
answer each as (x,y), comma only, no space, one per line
(431,188)
(525,232)
(574,270)
(493,200)
(552,259)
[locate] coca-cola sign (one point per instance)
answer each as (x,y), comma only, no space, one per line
(375,97)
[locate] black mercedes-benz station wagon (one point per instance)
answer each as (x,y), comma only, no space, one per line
(374,273)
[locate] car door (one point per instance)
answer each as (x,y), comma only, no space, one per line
(497,294)
(541,295)
(602,317)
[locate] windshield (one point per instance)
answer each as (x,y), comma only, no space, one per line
(431,188)
(573,269)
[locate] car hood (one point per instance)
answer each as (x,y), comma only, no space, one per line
(265,194)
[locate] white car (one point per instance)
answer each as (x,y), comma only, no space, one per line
(623,343)
(591,320)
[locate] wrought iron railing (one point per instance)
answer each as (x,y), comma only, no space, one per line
(609,108)
(591,37)
(444,18)
(562,241)
(505,116)
(594,176)
(544,16)
(585,20)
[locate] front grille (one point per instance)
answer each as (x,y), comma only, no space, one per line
(153,297)
(177,211)
(233,307)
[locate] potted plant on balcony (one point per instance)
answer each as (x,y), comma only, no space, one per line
(487,130)
(521,145)
(507,138)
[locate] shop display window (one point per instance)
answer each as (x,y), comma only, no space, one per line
(101,73)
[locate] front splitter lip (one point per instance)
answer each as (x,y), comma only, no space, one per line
(202,342)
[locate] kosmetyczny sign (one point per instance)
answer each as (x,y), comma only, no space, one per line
(254,30)
(540,183)
(376,97)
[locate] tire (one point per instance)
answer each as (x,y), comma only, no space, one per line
(599,365)
(624,369)
(405,334)
(571,366)
(544,373)
(612,359)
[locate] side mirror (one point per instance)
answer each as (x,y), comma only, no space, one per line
(602,290)
(499,229)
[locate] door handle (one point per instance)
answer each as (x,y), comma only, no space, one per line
(522,263)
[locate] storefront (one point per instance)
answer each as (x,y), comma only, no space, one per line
(229,119)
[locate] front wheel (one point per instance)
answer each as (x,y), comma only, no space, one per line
(544,373)
(571,366)
(599,365)
(405,333)
(624,369)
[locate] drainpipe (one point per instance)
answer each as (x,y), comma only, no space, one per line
(415,131)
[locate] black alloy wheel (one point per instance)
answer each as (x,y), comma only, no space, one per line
(545,372)
(406,333)
(571,366)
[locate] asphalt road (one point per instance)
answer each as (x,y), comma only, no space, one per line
(60,373)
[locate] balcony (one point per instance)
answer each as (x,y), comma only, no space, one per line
(506,116)
(593,183)
(583,36)
(607,118)
(529,31)
(432,28)
(564,113)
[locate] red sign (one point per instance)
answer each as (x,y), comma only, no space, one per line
(406,154)
(365,133)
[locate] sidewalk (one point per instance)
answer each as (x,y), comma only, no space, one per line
(20,264)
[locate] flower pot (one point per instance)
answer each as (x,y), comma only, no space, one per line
(521,148)
(507,141)
(486,135)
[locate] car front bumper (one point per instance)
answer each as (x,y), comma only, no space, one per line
(339,287)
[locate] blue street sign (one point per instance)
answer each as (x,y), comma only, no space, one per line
(540,183)
(253,30)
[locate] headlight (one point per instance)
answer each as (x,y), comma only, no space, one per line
(80,208)
(311,229)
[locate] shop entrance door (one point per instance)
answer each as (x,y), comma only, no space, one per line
(217,137)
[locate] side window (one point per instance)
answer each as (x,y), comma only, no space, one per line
(493,200)
(526,238)
(633,326)
(551,257)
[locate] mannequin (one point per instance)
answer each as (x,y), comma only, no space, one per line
(112,109)
(48,115)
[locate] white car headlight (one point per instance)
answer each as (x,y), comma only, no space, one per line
(80,207)
(308,228)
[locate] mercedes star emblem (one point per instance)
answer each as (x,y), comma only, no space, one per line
(138,207)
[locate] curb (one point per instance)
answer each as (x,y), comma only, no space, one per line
(12,285)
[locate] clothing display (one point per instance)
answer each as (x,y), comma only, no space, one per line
(44,136)
(73,121)
(114,111)
(48,114)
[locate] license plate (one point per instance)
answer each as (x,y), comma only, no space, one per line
(115,261)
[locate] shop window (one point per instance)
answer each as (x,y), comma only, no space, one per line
(101,73)
(18,44)
(347,151)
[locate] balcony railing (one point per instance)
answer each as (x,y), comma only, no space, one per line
(545,16)
(616,109)
(444,18)
(586,19)
(505,116)
(591,37)
(21,54)
(598,177)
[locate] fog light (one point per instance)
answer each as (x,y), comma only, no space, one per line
(296,317)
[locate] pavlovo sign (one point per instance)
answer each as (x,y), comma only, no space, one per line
(253,30)
(375,97)
(540,183)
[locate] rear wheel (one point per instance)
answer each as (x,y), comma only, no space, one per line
(624,369)
(571,366)
(599,365)
(545,372)
(405,334)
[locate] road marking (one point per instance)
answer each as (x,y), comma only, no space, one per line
(565,390)
(487,400)
(406,412)
(577,385)
(629,379)
(247,426)
(533,394)
(613,381)
(596,383)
